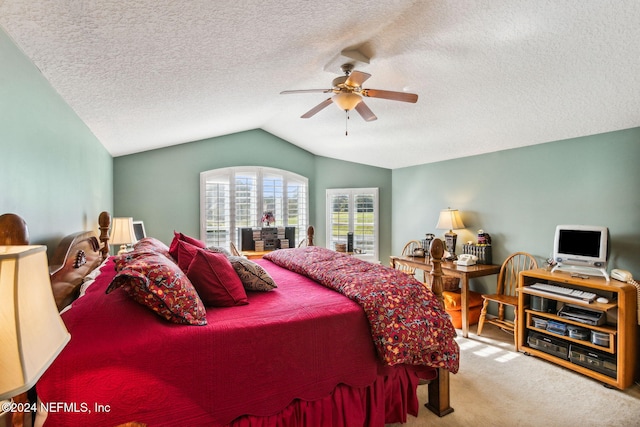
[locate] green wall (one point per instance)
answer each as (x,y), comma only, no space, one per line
(331,173)
(519,196)
(54,173)
(162,187)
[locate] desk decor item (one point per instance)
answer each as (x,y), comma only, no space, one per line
(450,219)
(267,216)
(482,249)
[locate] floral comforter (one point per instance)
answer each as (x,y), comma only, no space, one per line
(408,323)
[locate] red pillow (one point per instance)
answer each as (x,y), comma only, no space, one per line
(177,237)
(215,280)
(185,253)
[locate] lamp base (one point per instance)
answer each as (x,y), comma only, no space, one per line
(450,242)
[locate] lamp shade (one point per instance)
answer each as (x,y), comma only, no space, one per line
(449,220)
(122,232)
(32,333)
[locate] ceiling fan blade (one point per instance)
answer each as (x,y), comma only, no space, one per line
(365,112)
(388,94)
(288,92)
(356,78)
(317,108)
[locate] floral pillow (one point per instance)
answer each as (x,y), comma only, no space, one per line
(252,275)
(121,261)
(215,280)
(158,284)
(152,244)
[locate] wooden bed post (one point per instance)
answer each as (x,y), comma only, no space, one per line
(436,250)
(104,222)
(439,402)
(13,230)
(310,233)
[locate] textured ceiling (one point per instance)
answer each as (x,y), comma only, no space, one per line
(490,75)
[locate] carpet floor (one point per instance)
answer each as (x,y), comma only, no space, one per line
(497,387)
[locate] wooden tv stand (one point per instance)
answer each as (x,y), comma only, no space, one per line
(621,327)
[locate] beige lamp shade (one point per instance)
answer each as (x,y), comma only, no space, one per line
(449,220)
(122,232)
(32,333)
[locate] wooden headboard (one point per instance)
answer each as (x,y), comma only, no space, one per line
(75,257)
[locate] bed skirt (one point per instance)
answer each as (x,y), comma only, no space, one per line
(389,399)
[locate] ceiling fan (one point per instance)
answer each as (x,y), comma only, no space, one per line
(348,93)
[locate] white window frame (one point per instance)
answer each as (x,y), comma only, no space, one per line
(351,193)
(260,172)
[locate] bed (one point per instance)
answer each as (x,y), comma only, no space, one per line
(307,352)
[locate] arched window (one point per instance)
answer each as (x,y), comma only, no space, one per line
(237,197)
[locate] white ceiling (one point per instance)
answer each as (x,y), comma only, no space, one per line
(490,75)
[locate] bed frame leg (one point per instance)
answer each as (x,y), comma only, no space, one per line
(439,394)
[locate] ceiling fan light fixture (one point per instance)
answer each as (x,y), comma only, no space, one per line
(347,101)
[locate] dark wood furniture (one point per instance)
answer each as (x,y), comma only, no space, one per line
(449,268)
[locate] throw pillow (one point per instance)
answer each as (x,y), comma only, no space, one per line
(185,253)
(252,275)
(220,250)
(152,244)
(173,247)
(157,283)
(121,261)
(215,280)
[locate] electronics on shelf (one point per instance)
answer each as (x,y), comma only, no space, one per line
(571,293)
(583,315)
(594,360)
(549,345)
(582,249)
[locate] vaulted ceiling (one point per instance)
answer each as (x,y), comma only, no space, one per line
(490,75)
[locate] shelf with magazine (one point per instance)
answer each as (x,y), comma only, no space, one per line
(594,337)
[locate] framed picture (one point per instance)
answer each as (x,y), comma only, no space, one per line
(138,228)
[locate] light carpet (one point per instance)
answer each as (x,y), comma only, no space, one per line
(498,387)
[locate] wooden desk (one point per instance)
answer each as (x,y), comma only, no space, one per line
(448,267)
(255,254)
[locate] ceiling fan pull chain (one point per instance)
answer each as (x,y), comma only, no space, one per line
(346,123)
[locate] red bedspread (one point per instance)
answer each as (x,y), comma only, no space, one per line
(408,323)
(124,363)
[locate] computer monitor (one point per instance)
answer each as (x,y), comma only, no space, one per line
(582,248)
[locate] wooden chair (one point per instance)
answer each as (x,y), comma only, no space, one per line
(234,250)
(506,292)
(408,251)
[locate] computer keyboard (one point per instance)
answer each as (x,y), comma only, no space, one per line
(574,294)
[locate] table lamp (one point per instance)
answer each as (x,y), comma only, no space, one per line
(450,220)
(122,233)
(32,333)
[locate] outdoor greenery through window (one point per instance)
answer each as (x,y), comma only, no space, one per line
(354,210)
(236,197)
